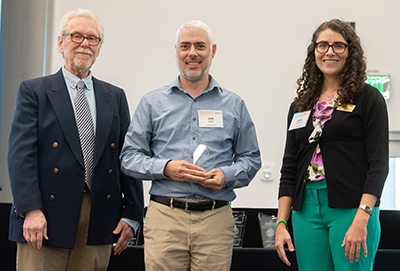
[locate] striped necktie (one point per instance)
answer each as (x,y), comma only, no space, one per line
(86,131)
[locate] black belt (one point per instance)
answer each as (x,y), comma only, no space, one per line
(187,205)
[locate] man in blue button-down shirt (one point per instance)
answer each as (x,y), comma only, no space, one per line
(196,142)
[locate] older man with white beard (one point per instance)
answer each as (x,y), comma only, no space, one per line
(66,136)
(196,141)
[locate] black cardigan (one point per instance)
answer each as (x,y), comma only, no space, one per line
(355,151)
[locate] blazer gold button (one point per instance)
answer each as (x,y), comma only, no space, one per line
(110,171)
(108,196)
(52,197)
(55,145)
(112,145)
(55,170)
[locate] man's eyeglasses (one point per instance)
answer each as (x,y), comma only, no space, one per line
(337,47)
(79,38)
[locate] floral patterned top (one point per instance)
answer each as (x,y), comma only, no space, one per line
(323,113)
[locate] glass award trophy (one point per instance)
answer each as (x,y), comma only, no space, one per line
(203,156)
(267,226)
(240,223)
(198,153)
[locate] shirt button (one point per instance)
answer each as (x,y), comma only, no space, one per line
(52,197)
(108,197)
(112,145)
(194,138)
(56,170)
(110,171)
(55,145)
(194,119)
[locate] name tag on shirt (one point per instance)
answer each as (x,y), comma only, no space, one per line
(210,118)
(299,120)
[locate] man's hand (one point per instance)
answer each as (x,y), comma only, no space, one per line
(125,237)
(182,171)
(215,181)
(35,228)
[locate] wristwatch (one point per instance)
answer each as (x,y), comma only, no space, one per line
(366,208)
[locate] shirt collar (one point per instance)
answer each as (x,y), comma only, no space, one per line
(72,80)
(176,84)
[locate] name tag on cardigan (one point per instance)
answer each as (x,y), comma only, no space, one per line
(346,107)
(299,120)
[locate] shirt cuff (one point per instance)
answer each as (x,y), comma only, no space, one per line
(133,223)
(158,168)
(229,176)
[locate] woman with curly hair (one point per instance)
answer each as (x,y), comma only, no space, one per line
(336,158)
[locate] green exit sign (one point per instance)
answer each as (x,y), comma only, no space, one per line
(381,82)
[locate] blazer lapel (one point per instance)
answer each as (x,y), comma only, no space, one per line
(61,102)
(105,112)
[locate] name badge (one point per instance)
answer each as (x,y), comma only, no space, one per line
(299,120)
(210,118)
(346,107)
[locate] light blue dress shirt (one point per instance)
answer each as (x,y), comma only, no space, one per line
(71,81)
(166,127)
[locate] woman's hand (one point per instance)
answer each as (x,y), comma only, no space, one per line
(282,237)
(356,237)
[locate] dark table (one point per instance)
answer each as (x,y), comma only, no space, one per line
(252,257)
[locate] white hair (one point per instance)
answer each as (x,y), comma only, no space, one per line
(195,25)
(84,14)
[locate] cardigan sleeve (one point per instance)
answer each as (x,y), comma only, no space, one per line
(376,127)
(289,161)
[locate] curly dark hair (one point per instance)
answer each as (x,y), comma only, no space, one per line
(352,77)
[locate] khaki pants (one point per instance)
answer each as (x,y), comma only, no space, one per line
(81,258)
(179,240)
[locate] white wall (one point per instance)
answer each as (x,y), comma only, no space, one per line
(261,47)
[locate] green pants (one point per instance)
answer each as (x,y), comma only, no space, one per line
(319,232)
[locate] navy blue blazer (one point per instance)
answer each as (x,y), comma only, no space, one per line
(46,166)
